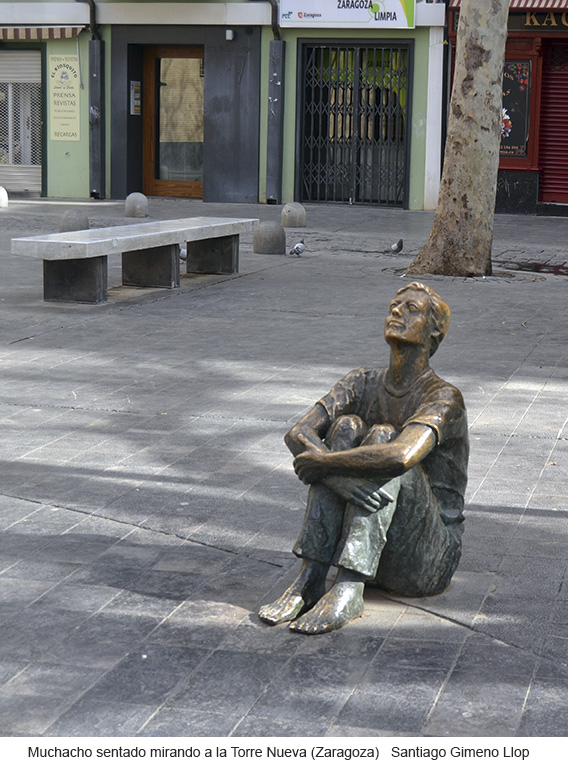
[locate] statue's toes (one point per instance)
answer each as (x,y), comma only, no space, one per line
(308,624)
(266,613)
(282,611)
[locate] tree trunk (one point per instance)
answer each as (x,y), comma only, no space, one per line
(460,241)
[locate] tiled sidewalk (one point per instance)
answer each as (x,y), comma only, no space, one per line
(149,504)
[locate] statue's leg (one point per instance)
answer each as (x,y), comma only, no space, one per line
(422,552)
(320,534)
(325,509)
(357,555)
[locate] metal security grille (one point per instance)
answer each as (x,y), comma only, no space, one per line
(556,58)
(354,124)
(20,121)
(20,114)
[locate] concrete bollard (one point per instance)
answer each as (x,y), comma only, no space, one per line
(293,215)
(136,205)
(3,198)
(73,220)
(269,239)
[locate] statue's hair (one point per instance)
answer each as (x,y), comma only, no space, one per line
(439,312)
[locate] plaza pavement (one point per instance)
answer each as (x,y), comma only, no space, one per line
(148,504)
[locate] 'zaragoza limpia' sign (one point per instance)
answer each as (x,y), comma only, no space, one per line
(348,14)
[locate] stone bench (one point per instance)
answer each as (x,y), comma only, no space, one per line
(75,262)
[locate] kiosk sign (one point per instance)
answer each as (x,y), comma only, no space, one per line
(348,14)
(64,98)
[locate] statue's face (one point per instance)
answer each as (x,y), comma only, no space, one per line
(409,319)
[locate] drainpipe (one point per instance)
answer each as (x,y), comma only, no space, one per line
(274,19)
(96,106)
(275,127)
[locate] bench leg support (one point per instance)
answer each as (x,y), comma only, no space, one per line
(219,255)
(155,267)
(76,281)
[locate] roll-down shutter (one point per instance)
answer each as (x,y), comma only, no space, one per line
(553,145)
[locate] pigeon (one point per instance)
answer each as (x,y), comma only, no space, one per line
(183,253)
(394,249)
(298,248)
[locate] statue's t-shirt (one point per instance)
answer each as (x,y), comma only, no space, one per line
(431,402)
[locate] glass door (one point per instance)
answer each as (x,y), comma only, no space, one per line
(173,121)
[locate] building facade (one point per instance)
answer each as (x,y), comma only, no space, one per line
(533,170)
(226,101)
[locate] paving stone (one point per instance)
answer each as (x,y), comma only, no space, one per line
(167,584)
(545,711)
(174,722)
(199,623)
(149,675)
(28,715)
(75,597)
(397,700)
(240,583)
(38,632)
(365,731)
(473,706)
(464,598)
(259,726)
(95,718)
(515,621)
(529,577)
(416,624)
(309,686)
(428,655)
(9,670)
(228,681)
(112,574)
(17,593)
(48,680)
(101,641)
(555,645)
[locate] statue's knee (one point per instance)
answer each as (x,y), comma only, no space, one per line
(347,431)
(380,433)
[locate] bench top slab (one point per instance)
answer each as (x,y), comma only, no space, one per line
(71,245)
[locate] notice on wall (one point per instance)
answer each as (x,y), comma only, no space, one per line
(348,14)
(135,97)
(64,98)
(515,113)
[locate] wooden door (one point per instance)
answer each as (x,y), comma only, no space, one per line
(173,121)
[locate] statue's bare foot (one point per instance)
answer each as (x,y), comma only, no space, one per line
(342,603)
(302,594)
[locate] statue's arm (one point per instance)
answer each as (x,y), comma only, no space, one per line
(381,462)
(312,427)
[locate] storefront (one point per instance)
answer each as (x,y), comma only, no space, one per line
(26,95)
(116,97)
(533,171)
(190,124)
(225,101)
(366,84)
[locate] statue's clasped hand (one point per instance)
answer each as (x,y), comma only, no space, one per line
(310,466)
(313,466)
(362,493)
